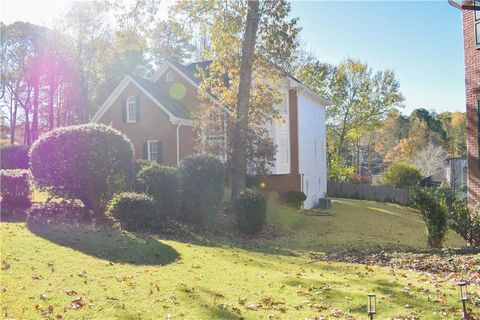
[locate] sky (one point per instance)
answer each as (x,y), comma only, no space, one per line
(421,41)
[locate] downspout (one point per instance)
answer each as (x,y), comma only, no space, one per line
(178,143)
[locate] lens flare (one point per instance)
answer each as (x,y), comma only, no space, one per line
(177,91)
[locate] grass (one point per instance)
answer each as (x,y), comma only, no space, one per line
(119,275)
(354,224)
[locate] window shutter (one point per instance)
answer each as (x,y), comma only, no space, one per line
(138,108)
(145,151)
(160,152)
(124,110)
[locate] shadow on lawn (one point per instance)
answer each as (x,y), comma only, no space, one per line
(106,243)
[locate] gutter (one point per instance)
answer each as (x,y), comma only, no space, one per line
(178,143)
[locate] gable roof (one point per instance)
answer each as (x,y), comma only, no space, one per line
(191,70)
(175,110)
(162,96)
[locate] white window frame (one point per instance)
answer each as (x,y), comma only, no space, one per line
(170,77)
(131,102)
(149,151)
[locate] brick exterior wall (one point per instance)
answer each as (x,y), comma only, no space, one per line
(472,81)
(154,124)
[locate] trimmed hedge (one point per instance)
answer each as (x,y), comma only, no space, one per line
(161,183)
(15,188)
(202,184)
(14,157)
(295,198)
(89,162)
(401,175)
(134,211)
(250,211)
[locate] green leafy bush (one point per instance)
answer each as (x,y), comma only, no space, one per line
(252,181)
(14,157)
(434,208)
(89,162)
(54,212)
(202,184)
(466,221)
(15,189)
(134,211)
(250,211)
(161,183)
(295,198)
(401,175)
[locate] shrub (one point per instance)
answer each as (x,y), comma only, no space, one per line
(161,183)
(250,211)
(88,162)
(14,157)
(401,175)
(134,211)
(64,211)
(252,181)
(15,188)
(202,183)
(433,206)
(295,198)
(466,221)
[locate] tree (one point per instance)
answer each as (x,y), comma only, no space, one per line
(361,99)
(232,38)
(239,172)
(430,160)
(401,175)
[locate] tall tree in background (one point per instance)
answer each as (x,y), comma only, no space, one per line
(226,78)
(361,99)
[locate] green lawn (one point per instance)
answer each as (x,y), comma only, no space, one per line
(353,224)
(47,268)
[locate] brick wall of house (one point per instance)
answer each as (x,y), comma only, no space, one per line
(472,80)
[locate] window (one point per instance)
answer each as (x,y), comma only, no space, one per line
(131,109)
(153,150)
(476,24)
(283,108)
(170,76)
(215,145)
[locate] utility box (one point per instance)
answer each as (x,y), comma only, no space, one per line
(324,203)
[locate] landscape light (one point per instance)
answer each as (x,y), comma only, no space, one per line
(372,305)
(462,285)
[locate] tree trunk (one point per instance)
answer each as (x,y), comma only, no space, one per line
(34,130)
(239,171)
(51,114)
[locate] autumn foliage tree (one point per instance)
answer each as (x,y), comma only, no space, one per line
(250,42)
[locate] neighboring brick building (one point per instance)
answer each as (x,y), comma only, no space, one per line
(471,32)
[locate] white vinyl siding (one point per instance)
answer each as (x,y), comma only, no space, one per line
(312,149)
(279,131)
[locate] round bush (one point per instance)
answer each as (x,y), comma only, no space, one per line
(401,175)
(14,157)
(89,162)
(295,198)
(250,211)
(202,183)
(15,189)
(134,211)
(161,183)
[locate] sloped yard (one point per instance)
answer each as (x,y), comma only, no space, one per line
(80,272)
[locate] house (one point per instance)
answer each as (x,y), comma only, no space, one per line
(471,34)
(156,115)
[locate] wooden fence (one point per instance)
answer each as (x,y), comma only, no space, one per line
(368,192)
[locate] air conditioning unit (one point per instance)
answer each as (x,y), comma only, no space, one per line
(324,203)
